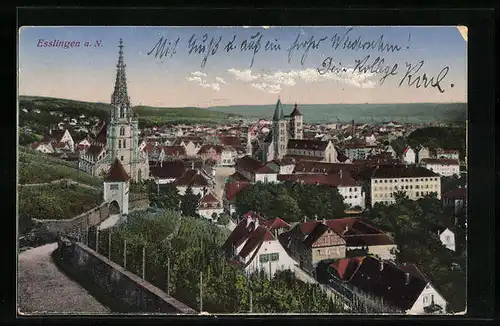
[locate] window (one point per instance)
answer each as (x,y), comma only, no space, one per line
(350,197)
(350,189)
(124,143)
(122,131)
(376,181)
(113,187)
(264,258)
(275,256)
(426,299)
(356,196)
(390,181)
(385,181)
(121,158)
(119,143)
(416,193)
(406,187)
(411,187)
(447,238)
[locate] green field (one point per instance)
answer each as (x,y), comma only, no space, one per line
(147,115)
(36,167)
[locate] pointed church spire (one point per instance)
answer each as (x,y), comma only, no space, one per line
(119,99)
(295,111)
(278,111)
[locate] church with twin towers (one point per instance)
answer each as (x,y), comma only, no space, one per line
(118,138)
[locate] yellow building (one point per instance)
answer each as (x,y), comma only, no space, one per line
(416,182)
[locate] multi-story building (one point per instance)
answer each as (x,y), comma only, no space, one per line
(416,182)
(442,166)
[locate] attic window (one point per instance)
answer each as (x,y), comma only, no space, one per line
(113,187)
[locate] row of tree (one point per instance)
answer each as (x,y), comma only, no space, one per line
(178,248)
(413,225)
(291,201)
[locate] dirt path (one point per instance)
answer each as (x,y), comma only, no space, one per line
(43,288)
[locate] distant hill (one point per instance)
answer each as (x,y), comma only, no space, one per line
(362,113)
(147,115)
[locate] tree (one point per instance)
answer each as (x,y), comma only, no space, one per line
(223,219)
(189,203)
(167,198)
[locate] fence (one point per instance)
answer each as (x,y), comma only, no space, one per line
(133,257)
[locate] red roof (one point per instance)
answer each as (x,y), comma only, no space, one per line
(233,188)
(209,199)
(192,178)
(333,180)
(174,150)
(250,164)
(116,173)
(230,141)
(346,267)
(276,223)
(149,148)
(256,238)
(242,231)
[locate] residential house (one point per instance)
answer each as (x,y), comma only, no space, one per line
(446,236)
(359,151)
(451,154)
(195,179)
(90,158)
(314,241)
(409,156)
(42,147)
(443,166)
(254,246)
(402,287)
(231,190)
(167,172)
(209,205)
(191,144)
(391,151)
(416,182)
(171,152)
(234,142)
(283,166)
(211,152)
(455,199)
(254,170)
(60,137)
(309,149)
(423,153)
(228,156)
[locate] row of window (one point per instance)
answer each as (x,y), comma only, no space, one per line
(406,180)
(432,186)
(350,197)
(264,258)
(391,195)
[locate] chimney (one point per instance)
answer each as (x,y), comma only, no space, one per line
(381,265)
(407,278)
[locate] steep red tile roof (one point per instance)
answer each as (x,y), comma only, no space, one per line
(256,238)
(238,177)
(55,135)
(102,135)
(192,178)
(345,267)
(209,199)
(174,150)
(241,232)
(276,223)
(233,188)
(230,141)
(116,173)
(251,165)
(148,148)
(35,145)
(168,170)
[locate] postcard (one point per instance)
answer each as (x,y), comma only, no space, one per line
(242,170)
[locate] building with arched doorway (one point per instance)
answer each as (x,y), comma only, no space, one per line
(116,189)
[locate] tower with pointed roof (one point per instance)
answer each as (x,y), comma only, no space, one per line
(295,123)
(116,187)
(279,131)
(123,128)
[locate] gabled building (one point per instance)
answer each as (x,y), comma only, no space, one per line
(308,149)
(409,156)
(167,172)
(60,138)
(416,182)
(195,179)
(254,170)
(42,147)
(210,205)
(231,190)
(455,199)
(443,166)
(253,245)
(314,241)
(403,287)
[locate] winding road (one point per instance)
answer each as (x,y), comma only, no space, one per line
(43,288)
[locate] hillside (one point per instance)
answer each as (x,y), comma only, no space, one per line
(73,109)
(36,167)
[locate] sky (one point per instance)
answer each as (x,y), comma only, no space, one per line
(303,74)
